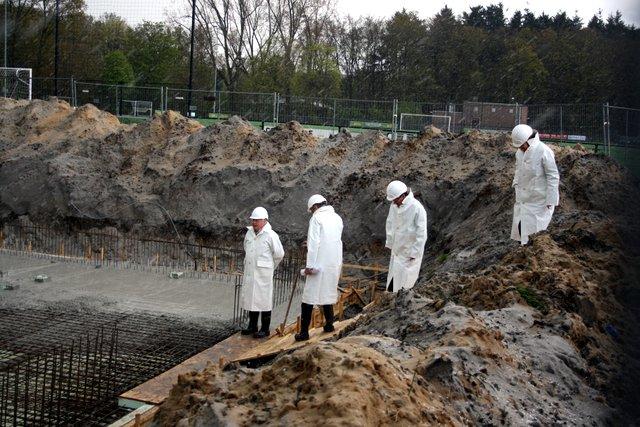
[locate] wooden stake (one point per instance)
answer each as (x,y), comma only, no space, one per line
(101,255)
(221,362)
(215,263)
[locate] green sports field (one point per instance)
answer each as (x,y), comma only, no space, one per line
(629,157)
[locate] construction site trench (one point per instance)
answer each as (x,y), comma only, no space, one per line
(492,333)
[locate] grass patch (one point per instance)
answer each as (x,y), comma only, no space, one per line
(442,257)
(532,298)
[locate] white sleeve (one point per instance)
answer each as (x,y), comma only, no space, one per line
(390,226)
(515,175)
(553,178)
(246,240)
(421,232)
(276,249)
(313,243)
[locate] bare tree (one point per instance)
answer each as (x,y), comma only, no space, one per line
(235,32)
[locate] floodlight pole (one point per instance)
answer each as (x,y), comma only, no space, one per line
(6,11)
(4,86)
(57,48)
(193,26)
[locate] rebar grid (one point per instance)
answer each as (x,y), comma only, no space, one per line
(67,365)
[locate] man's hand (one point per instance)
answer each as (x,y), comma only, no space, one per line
(308,271)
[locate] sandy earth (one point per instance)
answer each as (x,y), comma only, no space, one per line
(493,333)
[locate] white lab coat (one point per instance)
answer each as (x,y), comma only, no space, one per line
(263,253)
(536,182)
(324,253)
(406,237)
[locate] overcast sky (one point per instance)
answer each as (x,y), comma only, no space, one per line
(155,10)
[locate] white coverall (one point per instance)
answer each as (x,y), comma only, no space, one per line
(536,182)
(406,237)
(263,253)
(324,253)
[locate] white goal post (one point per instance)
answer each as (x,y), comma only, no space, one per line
(16,83)
(417,122)
(137,108)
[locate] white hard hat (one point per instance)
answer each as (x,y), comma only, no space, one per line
(396,189)
(316,198)
(520,134)
(259,213)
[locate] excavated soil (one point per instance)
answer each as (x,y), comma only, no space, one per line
(493,333)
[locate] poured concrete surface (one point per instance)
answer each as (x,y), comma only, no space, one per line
(110,288)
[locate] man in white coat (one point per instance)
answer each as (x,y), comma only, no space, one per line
(324,263)
(263,252)
(406,236)
(536,182)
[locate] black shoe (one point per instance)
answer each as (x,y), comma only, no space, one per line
(301,337)
(328,328)
(248,331)
(261,334)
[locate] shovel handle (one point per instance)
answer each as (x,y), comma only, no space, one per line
(286,315)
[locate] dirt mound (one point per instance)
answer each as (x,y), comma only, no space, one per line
(189,170)
(330,383)
(406,364)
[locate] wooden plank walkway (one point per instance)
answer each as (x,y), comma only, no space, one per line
(157,389)
(277,344)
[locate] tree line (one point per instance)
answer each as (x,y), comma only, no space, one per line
(304,47)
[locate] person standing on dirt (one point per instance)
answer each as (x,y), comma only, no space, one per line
(406,236)
(324,262)
(263,252)
(536,182)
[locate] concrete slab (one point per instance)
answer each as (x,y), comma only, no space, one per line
(115,289)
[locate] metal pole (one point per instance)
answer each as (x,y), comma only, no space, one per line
(334,112)
(394,119)
(215,75)
(74,91)
(6,12)
(57,48)
(561,127)
(604,129)
(193,25)
(275,106)
(608,129)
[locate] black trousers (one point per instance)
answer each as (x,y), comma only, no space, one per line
(305,316)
